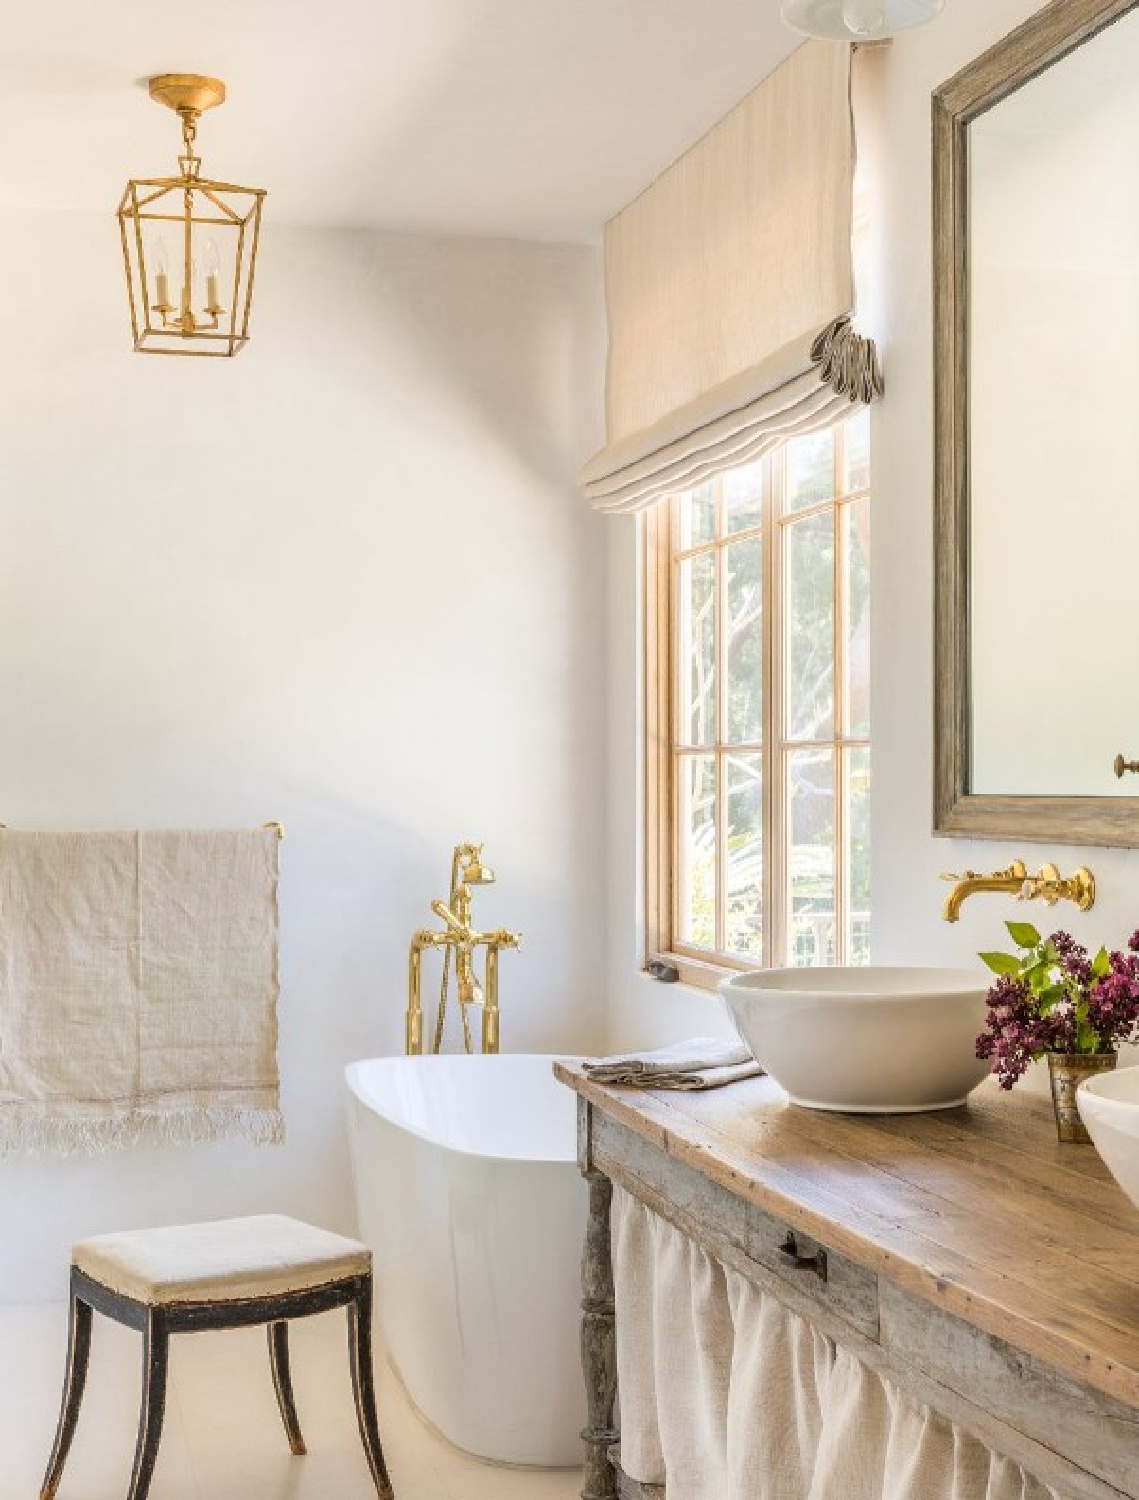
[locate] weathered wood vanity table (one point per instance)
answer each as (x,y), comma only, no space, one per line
(990,1273)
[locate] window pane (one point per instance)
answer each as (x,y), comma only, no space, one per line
(857,442)
(697,516)
(808,629)
(858,875)
(696,850)
(744,916)
(810,469)
(697,645)
(856,520)
(810,857)
(743,497)
(742,641)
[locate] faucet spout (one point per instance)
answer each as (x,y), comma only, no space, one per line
(458,927)
(1010,881)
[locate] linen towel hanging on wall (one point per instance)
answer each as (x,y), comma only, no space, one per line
(729,287)
(726,1393)
(138,988)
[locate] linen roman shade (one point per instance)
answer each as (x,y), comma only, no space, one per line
(729,286)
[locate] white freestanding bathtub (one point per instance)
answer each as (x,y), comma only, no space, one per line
(470,1198)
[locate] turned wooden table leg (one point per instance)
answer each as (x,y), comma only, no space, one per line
(598,1343)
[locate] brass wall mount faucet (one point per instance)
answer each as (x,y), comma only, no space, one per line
(459,940)
(1048,886)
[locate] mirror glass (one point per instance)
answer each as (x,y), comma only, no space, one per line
(1053,453)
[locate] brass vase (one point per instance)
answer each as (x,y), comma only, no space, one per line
(1067,1071)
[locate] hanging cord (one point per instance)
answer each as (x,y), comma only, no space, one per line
(441,1017)
(441,1014)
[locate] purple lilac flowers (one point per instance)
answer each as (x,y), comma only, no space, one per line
(1053,996)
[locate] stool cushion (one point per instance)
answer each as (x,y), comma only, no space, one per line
(222,1261)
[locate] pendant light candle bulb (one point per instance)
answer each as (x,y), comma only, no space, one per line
(162,274)
(213,268)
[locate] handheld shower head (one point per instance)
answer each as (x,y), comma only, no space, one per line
(470,990)
(474,871)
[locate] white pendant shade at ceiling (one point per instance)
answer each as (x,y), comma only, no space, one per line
(858,20)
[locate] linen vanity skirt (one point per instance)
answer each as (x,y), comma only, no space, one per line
(726,1395)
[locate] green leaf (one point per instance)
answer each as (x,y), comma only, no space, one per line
(1002,963)
(1101,964)
(1023,934)
(1048,999)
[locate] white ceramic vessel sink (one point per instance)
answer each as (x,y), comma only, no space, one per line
(1109,1107)
(867,1041)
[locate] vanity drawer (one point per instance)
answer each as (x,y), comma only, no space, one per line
(820,1274)
(801,1271)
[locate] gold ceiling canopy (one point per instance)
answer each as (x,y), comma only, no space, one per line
(189,243)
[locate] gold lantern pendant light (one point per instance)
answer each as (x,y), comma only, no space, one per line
(189,244)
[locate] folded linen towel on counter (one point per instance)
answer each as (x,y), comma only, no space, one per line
(703,1062)
(138,988)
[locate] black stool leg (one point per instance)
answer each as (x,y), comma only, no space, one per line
(363,1385)
(283,1383)
(155,1362)
(78,1351)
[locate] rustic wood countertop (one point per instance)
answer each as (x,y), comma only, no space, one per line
(978,1210)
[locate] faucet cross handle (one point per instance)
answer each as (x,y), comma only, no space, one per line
(1050,887)
(504,939)
(1046,887)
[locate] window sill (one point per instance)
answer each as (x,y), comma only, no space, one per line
(696,973)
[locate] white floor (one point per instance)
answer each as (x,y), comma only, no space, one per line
(223,1438)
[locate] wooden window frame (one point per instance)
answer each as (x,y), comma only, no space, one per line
(703,968)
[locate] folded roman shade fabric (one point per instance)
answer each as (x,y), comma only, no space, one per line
(729,286)
(138,988)
(726,1393)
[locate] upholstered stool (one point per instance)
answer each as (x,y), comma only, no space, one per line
(229,1274)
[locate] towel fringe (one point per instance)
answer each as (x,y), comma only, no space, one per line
(22,1134)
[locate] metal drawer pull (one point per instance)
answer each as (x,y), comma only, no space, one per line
(801,1261)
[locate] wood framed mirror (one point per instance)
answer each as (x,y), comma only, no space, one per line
(1036,306)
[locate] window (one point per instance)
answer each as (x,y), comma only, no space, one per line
(758,773)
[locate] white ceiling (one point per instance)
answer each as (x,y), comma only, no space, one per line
(533,119)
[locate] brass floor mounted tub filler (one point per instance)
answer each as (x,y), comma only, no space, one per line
(459,942)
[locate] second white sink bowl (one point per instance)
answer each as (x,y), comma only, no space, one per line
(864,1041)
(1109,1107)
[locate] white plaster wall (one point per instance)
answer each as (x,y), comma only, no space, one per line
(907,859)
(343,581)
